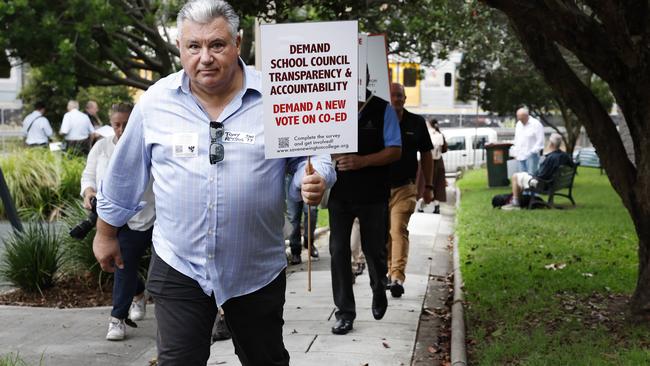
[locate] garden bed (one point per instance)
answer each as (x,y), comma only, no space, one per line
(66,293)
(550,287)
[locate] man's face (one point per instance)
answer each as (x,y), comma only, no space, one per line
(523,117)
(397,97)
(209,54)
(92,109)
(118,122)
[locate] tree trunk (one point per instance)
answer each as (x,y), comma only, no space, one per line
(625,66)
(640,302)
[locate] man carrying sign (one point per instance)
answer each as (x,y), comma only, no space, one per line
(362,190)
(219,204)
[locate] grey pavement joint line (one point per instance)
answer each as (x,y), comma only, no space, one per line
(458,345)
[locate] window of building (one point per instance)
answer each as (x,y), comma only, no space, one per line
(410,77)
(456,143)
(447,79)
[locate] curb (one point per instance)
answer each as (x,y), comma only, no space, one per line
(458,345)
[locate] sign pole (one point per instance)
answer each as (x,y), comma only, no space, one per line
(309,170)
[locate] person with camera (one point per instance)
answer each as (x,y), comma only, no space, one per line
(133,238)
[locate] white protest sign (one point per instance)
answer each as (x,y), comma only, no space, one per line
(309,73)
(363,64)
(378,66)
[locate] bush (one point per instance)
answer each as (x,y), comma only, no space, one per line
(32,258)
(41,182)
(79,256)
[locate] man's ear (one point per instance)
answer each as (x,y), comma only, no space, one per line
(238,44)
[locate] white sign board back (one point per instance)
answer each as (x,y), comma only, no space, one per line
(378,66)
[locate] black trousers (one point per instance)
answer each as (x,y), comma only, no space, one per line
(185,315)
(373,224)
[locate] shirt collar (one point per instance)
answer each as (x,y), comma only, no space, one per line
(252,79)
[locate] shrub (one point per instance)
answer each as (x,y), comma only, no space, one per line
(41,181)
(32,258)
(79,256)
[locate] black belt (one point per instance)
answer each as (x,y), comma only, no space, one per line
(402,182)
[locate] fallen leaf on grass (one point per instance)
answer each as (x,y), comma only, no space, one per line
(555,266)
(497,333)
(588,274)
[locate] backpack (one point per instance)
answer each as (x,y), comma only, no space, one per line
(501,200)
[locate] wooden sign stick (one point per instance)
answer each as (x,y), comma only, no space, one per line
(309,170)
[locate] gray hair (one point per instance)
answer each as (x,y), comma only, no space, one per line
(555,140)
(205,11)
(73,104)
(523,110)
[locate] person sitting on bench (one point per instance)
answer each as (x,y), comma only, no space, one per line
(553,160)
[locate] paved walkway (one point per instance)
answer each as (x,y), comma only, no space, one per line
(76,336)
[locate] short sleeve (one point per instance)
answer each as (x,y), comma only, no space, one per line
(392,135)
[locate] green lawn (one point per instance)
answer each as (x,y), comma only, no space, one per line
(518,311)
(323,218)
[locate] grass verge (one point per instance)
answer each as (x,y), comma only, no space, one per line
(550,287)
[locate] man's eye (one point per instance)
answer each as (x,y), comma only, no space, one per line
(218,46)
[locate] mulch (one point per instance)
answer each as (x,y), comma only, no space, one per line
(70,292)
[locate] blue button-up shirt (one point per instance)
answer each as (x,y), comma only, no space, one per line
(220,224)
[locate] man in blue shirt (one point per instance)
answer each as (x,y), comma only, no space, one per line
(362,191)
(219,203)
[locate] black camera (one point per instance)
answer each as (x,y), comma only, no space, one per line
(83,228)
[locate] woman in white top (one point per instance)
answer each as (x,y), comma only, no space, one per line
(439,181)
(134,237)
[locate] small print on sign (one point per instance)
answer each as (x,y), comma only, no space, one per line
(239,137)
(185,145)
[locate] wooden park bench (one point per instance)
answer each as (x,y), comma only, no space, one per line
(561,180)
(587,157)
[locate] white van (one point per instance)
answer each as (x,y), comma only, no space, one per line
(466,147)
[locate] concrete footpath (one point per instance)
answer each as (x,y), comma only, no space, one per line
(76,336)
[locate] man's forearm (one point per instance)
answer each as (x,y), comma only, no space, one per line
(105,229)
(426,162)
(384,157)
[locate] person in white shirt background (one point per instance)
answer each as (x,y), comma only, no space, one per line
(529,141)
(134,237)
(36,127)
(76,129)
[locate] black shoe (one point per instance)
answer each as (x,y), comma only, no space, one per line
(314,251)
(379,304)
(420,210)
(342,326)
(396,289)
(436,210)
(220,331)
(360,268)
(295,259)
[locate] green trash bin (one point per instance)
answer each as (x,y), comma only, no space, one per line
(497,156)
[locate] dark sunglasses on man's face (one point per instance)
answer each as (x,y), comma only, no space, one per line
(216,148)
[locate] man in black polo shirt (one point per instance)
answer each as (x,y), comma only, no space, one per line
(403,193)
(361,191)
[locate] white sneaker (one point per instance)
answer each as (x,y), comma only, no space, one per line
(510,207)
(138,309)
(116,329)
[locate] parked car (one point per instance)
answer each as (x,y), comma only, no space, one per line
(466,147)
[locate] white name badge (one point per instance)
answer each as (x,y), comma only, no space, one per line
(185,145)
(238,137)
